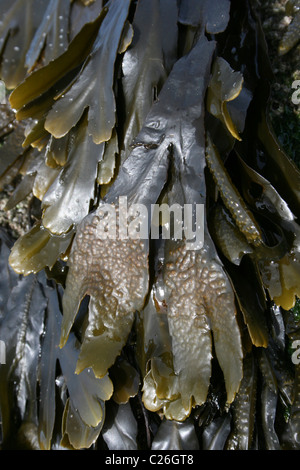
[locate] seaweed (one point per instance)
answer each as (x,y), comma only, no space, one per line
(291,36)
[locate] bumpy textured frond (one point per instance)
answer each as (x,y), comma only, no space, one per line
(199,302)
(114,297)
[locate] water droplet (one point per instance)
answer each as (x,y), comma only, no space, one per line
(213,109)
(16,48)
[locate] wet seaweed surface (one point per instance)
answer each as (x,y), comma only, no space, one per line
(146,343)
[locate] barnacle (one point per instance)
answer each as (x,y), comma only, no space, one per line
(152,103)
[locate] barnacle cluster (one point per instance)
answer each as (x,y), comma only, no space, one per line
(161,101)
